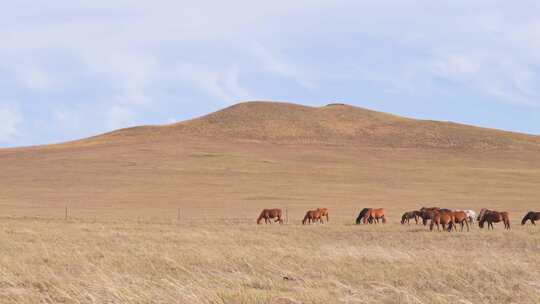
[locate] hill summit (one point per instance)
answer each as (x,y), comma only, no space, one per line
(340,124)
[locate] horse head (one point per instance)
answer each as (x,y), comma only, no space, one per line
(526,217)
(361,216)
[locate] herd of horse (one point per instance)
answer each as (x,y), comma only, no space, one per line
(447,219)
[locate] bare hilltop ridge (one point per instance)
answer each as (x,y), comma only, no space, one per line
(288,123)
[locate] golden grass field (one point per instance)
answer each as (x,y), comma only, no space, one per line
(123,241)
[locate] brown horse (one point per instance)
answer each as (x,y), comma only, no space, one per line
(491,216)
(324,213)
(407,216)
(532,216)
(427,214)
(362,215)
(481,214)
(460,217)
(268,214)
(375,214)
(443,219)
(312,216)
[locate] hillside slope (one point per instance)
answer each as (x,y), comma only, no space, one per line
(256,155)
(332,124)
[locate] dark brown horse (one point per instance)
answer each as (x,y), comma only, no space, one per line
(362,215)
(407,216)
(375,214)
(268,214)
(312,216)
(532,216)
(491,216)
(427,214)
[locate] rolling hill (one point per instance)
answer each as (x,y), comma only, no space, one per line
(331,124)
(259,154)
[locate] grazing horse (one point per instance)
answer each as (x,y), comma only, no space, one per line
(443,219)
(407,216)
(375,214)
(481,214)
(268,214)
(491,217)
(362,215)
(461,217)
(324,213)
(312,216)
(532,216)
(427,214)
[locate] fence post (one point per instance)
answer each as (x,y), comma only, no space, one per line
(286,216)
(66,213)
(178,215)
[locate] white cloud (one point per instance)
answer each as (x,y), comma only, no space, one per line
(277,64)
(128,55)
(35,78)
(10,119)
(130,73)
(221,84)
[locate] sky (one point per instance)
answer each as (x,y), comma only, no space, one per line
(71,69)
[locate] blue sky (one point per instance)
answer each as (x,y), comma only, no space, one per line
(71,69)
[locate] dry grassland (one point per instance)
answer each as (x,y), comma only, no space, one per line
(52,261)
(124,244)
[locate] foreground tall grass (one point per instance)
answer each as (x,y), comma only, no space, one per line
(53,261)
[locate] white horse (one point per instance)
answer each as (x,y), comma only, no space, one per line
(470,214)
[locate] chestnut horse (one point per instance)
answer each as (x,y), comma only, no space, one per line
(491,217)
(268,214)
(324,213)
(443,219)
(407,216)
(375,214)
(312,216)
(470,214)
(461,217)
(532,216)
